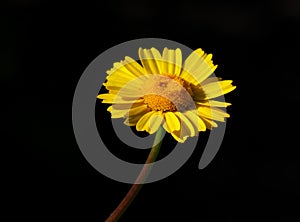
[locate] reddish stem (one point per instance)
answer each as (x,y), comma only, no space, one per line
(135,188)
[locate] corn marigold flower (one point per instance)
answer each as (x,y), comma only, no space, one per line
(164,91)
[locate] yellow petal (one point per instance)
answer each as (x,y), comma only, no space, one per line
(143,123)
(107,96)
(127,73)
(165,126)
(130,83)
(132,120)
(188,77)
(127,67)
(128,106)
(150,59)
(128,93)
(195,120)
(135,114)
(115,83)
(215,89)
(186,124)
(212,113)
(112,98)
(155,122)
(115,113)
(133,88)
(120,78)
(211,79)
(133,67)
(171,61)
(198,67)
(172,121)
(214,103)
(176,135)
(187,129)
(121,110)
(209,123)
(137,109)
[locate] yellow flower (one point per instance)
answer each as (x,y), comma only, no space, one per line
(163,91)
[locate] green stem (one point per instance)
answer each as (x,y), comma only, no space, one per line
(135,188)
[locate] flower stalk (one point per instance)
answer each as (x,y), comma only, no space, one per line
(135,188)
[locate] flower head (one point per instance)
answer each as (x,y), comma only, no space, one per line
(163,91)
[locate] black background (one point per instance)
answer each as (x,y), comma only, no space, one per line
(45,47)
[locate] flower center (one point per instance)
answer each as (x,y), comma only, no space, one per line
(168,93)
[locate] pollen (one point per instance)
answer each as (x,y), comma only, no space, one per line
(167,93)
(159,103)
